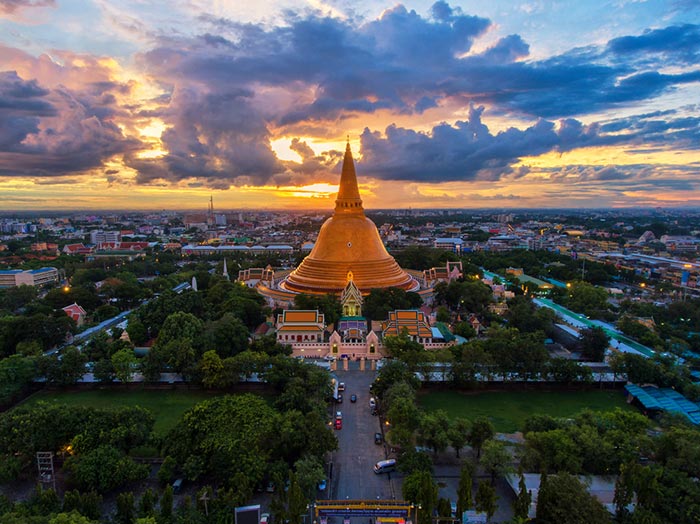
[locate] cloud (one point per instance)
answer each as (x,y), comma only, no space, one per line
(681,43)
(22,104)
(54,132)
(12,6)
(466,150)
(229,88)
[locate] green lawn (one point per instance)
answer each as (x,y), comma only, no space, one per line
(509,409)
(167,406)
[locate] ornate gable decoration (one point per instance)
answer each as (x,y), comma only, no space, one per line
(351,299)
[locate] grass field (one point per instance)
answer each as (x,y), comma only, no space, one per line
(167,406)
(509,409)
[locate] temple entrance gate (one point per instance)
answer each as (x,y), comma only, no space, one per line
(365,511)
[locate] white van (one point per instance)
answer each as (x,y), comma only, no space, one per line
(385,466)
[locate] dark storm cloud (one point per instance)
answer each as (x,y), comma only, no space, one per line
(679,41)
(54,132)
(22,104)
(218,137)
(467,150)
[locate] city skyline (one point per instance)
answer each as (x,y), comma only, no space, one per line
(131,105)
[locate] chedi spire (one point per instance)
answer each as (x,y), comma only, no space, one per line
(348,200)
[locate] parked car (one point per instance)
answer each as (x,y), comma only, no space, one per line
(322,485)
(341,386)
(372,403)
(265,518)
(353,398)
(339,399)
(338,415)
(378,438)
(338,423)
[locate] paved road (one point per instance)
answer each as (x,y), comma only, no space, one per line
(353,476)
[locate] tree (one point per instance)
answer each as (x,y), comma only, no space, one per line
(66,370)
(443,314)
(624,491)
(391,373)
(521,504)
(180,325)
(482,429)
(309,473)
(147,503)
(124,362)
(567,371)
(296,501)
(211,369)
(166,473)
(444,508)
(138,334)
(103,371)
(70,518)
(14,298)
(593,343)
(125,508)
(458,434)
(328,305)
(16,374)
(496,459)
(485,499)
(226,436)
(380,302)
(433,430)
(104,469)
(464,490)
(228,336)
(413,460)
(87,504)
(553,450)
(562,499)
(166,504)
(587,298)
(420,489)
(402,347)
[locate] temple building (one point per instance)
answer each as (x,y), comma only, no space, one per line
(348,242)
(348,260)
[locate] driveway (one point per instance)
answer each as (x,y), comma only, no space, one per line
(353,476)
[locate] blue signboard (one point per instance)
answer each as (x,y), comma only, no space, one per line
(362,512)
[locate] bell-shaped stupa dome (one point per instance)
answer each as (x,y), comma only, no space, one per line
(348,242)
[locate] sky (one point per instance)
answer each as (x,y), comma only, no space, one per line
(148,105)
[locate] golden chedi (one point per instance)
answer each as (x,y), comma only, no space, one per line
(348,243)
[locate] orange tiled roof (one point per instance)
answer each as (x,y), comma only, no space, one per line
(300,328)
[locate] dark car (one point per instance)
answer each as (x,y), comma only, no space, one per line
(353,398)
(378,438)
(339,400)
